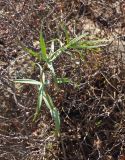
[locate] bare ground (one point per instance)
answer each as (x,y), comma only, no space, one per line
(92,115)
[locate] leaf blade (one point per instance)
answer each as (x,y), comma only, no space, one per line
(39,102)
(63,80)
(43,47)
(28,81)
(53,111)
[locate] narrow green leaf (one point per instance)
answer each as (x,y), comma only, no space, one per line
(87,46)
(90,42)
(43,47)
(48,102)
(32,53)
(39,102)
(63,80)
(56,117)
(28,81)
(40,96)
(54,112)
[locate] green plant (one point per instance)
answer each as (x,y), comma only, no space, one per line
(47,60)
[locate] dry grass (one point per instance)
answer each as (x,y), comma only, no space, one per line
(92,108)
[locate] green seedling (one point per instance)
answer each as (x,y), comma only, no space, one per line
(47,59)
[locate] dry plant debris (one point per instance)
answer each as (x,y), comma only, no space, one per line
(92,108)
